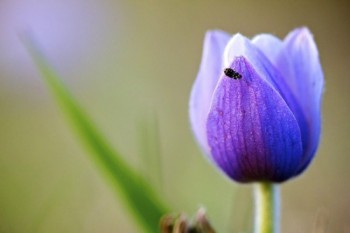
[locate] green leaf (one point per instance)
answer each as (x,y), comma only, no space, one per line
(139,196)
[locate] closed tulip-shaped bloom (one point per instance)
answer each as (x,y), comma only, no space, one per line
(255,105)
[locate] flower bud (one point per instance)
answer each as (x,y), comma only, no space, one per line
(255,107)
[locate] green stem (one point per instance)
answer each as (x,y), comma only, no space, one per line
(267,208)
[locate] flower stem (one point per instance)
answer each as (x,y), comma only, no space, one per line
(267,207)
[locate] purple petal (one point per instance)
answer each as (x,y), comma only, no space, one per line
(264,67)
(252,133)
(299,63)
(203,88)
(270,45)
(272,48)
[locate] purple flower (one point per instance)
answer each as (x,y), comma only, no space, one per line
(255,107)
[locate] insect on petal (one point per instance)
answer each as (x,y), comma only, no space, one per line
(252,133)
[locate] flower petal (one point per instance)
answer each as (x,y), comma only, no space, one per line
(270,45)
(272,48)
(299,63)
(263,66)
(252,133)
(203,88)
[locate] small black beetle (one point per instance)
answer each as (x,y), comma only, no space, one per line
(232,74)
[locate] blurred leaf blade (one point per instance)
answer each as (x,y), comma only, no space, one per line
(138,195)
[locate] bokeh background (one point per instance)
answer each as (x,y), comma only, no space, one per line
(131,65)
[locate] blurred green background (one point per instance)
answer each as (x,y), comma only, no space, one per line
(131,64)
